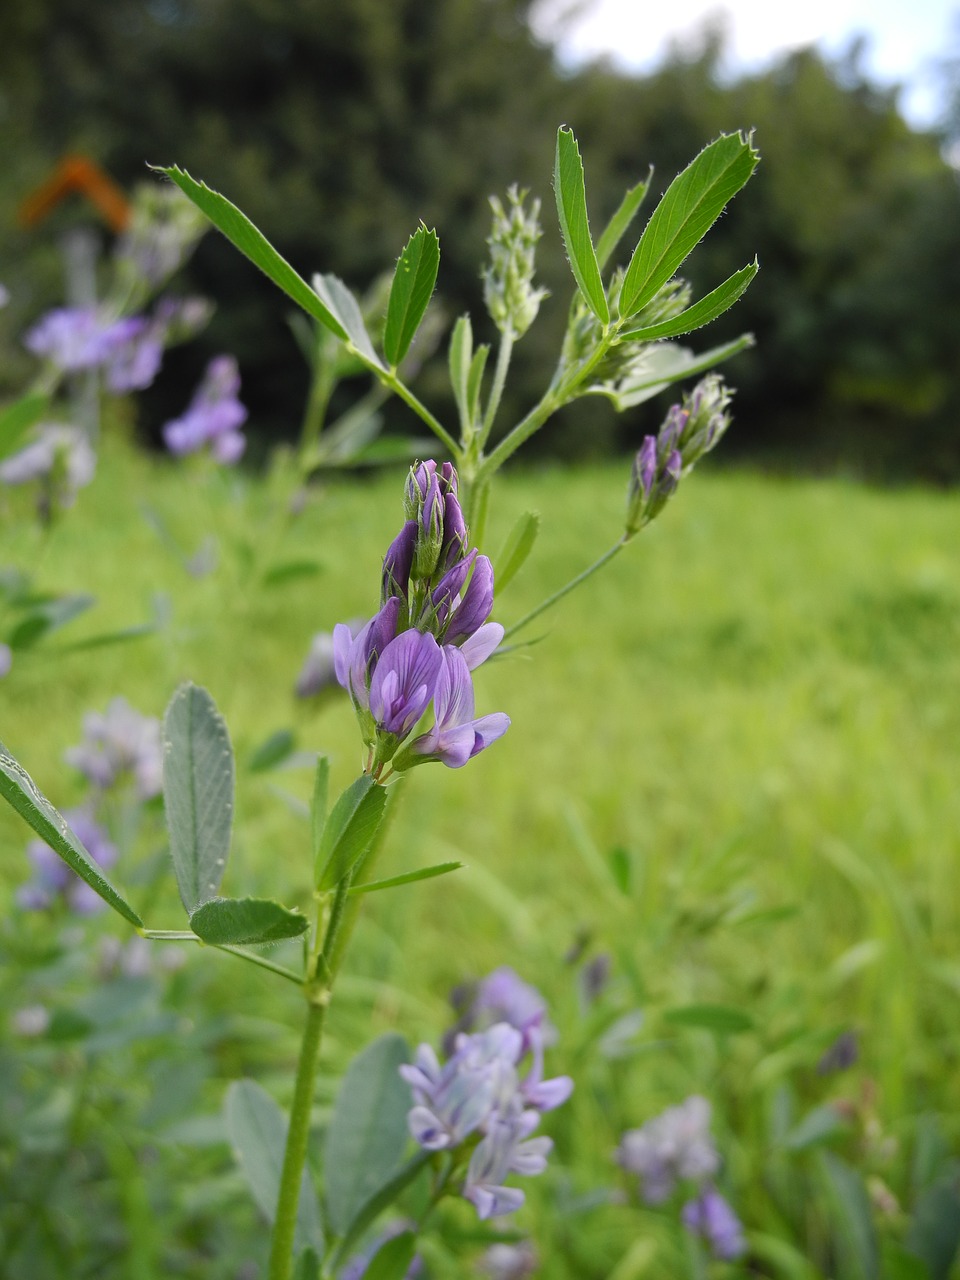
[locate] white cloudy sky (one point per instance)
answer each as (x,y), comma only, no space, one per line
(906,37)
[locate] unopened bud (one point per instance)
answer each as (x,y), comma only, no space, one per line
(508,290)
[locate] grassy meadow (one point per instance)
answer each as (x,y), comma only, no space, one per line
(732,768)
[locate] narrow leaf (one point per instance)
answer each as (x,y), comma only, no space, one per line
(307,1266)
(16,420)
(460,358)
(341,303)
(318,810)
(703,312)
(20,791)
(855,1235)
(719,1018)
(381,1199)
(290,571)
(368,1129)
(574,226)
(934,1233)
(107,638)
(272,751)
(392,1260)
(689,208)
(245,922)
(616,228)
(349,831)
(257,1129)
(198,778)
(251,242)
(410,293)
(663,364)
(409,877)
(516,549)
(475,382)
(47,617)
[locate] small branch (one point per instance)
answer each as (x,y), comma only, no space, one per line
(499,380)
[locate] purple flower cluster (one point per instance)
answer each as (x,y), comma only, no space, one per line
(478,1103)
(120,743)
(676,1146)
(60,456)
(214,416)
(53,881)
(689,430)
(430,633)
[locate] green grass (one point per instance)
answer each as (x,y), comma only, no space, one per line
(759,701)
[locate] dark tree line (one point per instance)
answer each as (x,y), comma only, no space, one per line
(338,127)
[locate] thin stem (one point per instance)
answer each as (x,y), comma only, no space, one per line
(295,1155)
(496,391)
(390,379)
(186,935)
(565,590)
(318,400)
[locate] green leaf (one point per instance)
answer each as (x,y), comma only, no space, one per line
(855,1236)
(341,303)
(475,382)
(241,232)
(349,831)
(574,226)
(272,751)
(197,792)
(409,877)
(816,1126)
(703,312)
(616,228)
(460,358)
(663,364)
(410,293)
(934,1233)
(367,1134)
(245,922)
(620,863)
(392,1260)
(106,638)
(307,1266)
(16,420)
(21,792)
(318,809)
(719,1018)
(47,617)
(381,1199)
(257,1129)
(513,555)
(279,575)
(689,208)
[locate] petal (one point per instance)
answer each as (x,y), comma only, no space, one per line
(488,729)
(427,1130)
(478,647)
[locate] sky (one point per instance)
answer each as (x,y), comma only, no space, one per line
(905,37)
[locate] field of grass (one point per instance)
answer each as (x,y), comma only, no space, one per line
(732,768)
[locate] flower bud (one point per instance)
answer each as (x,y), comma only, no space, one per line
(508,290)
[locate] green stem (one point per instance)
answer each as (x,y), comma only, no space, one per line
(295,1154)
(321,389)
(390,379)
(496,391)
(565,590)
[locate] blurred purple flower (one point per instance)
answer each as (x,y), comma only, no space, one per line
(509,1261)
(480,1090)
(132,354)
(673,1145)
(213,417)
(356,1268)
(6,659)
(52,879)
(73,338)
(318,671)
(58,451)
(120,742)
(710,1217)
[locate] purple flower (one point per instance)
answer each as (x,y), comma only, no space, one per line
(214,416)
(503,996)
(456,736)
(710,1217)
(318,671)
(398,563)
(509,1261)
(505,1148)
(480,1090)
(355,656)
(462,616)
(117,743)
(673,1145)
(403,681)
(6,659)
(52,879)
